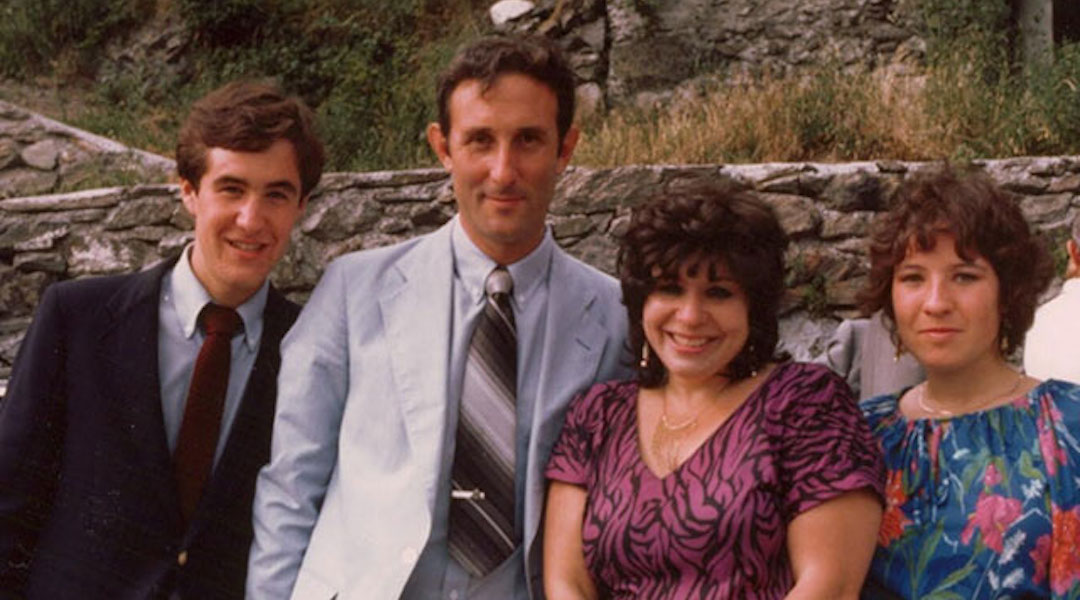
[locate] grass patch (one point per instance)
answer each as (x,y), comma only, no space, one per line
(958,108)
(820,116)
(103,171)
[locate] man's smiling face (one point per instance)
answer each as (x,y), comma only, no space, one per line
(244,208)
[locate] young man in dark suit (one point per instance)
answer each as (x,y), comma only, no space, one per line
(140,406)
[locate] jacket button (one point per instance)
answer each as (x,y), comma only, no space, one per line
(181,559)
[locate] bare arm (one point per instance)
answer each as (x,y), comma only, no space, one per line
(565,574)
(831,545)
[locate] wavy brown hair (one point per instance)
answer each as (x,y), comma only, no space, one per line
(249,116)
(985,220)
(708,224)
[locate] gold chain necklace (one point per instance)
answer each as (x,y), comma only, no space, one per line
(667,438)
(921,396)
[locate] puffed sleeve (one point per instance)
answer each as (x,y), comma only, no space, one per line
(825,445)
(574,454)
(1059,442)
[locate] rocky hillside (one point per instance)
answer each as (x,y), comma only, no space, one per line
(640,51)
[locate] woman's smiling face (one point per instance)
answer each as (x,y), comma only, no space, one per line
(696,324)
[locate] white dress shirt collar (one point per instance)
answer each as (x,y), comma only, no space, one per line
(472,266)
(190,296)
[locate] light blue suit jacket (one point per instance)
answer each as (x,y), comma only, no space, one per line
(345,506)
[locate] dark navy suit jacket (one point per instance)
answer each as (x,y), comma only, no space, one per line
(88,505)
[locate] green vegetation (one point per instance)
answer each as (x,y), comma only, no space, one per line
(1055,242)
(62,35)
(978,96)
(971,100)
(368,66)
(100,173)
(825,116)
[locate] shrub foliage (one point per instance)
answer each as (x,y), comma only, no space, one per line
(36,35)
(368,67)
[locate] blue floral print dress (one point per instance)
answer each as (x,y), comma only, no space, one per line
(982,505)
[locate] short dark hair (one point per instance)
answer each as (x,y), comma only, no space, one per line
(712,223)
(491,56)
(985,220)
(249,116)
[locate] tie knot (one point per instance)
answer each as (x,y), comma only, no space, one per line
(498,282)
(218,319)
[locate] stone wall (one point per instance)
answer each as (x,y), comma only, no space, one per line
(641,51)
(827,209)
(42,156)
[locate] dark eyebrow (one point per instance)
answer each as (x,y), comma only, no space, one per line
(907,268)
(537,131)
(475,131)
(228,179)
(283,184)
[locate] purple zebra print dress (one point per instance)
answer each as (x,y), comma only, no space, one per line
(716,527)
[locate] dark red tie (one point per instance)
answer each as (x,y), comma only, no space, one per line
(194,457)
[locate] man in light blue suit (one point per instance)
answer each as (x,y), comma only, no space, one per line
(357,499)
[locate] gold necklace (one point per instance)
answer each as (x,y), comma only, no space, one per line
(685,424)
(667,438)
(920,398)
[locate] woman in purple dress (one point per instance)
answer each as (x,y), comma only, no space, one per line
(722,471)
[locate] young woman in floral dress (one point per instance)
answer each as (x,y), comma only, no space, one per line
(982,497)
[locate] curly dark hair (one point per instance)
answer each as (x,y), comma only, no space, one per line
(249,116)
(713,223)
(494,55)
(985,220)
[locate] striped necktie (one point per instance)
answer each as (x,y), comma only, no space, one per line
(482,533)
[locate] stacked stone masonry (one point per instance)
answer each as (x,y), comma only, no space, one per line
(826,208)
(42,156)
(648,51)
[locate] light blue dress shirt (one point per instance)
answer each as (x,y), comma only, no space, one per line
(180,339)
(436,575)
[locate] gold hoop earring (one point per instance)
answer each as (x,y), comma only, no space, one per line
(899,351)
(644,362)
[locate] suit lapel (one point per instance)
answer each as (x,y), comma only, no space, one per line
(129,351)
(247,447)
(417,312)
(248,442)
(256,411)
(573,343)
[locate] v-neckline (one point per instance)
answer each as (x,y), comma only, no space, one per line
(638,441)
